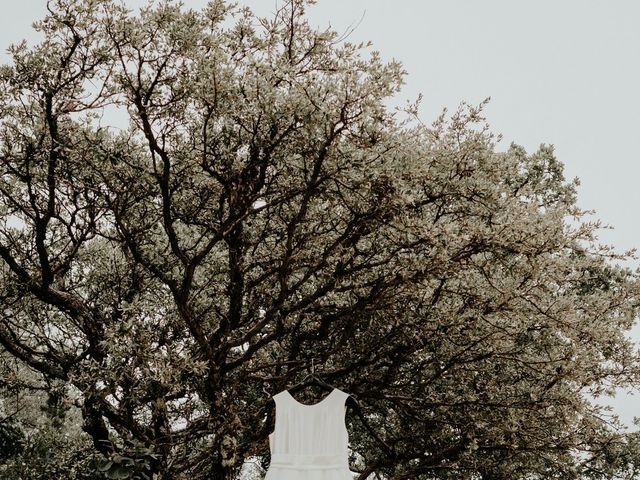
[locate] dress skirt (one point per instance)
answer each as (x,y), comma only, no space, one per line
(307,467)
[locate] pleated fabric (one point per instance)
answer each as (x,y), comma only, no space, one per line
(309,442)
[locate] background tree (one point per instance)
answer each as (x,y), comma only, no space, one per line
(264,208)
(40,428)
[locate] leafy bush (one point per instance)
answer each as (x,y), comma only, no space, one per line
(11,439)
(136,465)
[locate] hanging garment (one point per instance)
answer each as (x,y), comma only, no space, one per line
(309,442)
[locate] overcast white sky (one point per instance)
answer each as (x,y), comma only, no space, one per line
(563,73)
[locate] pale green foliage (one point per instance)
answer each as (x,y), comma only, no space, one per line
(51,441)
(263,209)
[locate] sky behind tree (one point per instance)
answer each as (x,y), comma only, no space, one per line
(561,73)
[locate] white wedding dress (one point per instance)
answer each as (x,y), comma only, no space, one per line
(309,442)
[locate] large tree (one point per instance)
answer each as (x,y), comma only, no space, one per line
(264,209)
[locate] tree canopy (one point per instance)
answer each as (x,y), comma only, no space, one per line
(265,208)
